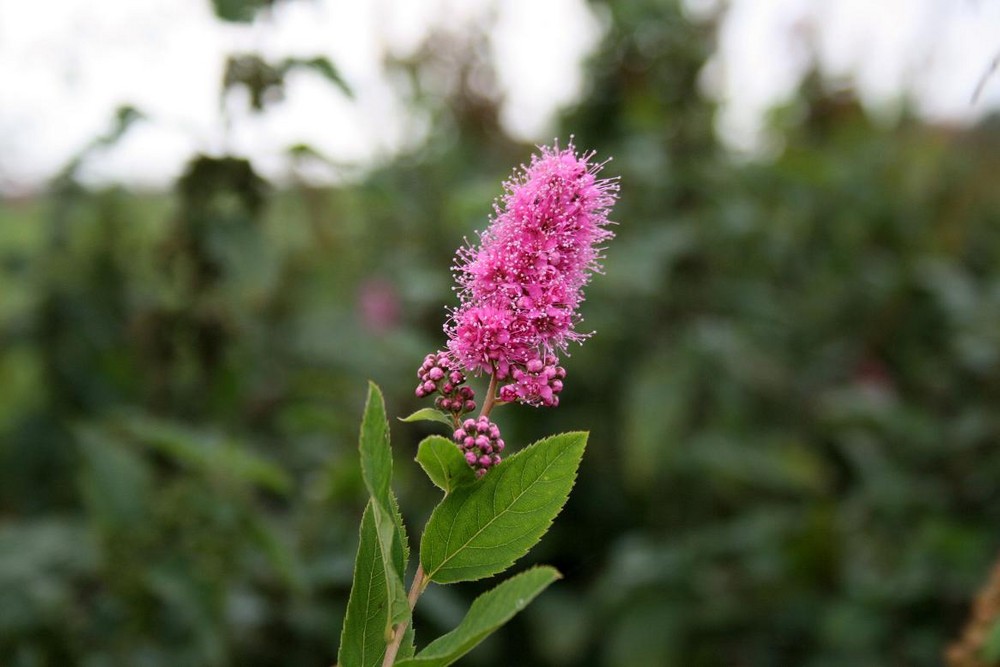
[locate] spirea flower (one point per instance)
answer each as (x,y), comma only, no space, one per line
(519,291)
(521,287)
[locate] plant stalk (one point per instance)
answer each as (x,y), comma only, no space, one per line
(491,394)
(420,582)
(418,586)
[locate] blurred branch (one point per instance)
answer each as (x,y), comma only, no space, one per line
(265,82)
(125,117)
(986,76)
(320,65)
(979,645)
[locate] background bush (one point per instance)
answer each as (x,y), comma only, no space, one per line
(792,394)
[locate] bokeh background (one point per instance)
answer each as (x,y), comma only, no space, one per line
(792,395)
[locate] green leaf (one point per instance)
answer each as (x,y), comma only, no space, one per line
(206,453)
(276,548)
(238,11)
(376,455)
(407,647)
(428,415)
(400,545)
(262,80)
(363,638)
(489,611)
(116,483)
(323,66)
(481,529)
(443,463)
(376,469)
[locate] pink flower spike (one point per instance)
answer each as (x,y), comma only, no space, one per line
(521,287)
(519,293)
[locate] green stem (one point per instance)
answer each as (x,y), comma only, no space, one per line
(418,586)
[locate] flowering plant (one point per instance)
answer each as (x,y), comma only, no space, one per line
(519,293)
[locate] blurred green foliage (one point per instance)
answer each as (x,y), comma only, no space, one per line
(792,393)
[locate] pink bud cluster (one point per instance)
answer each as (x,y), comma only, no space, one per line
(538,383)
(480,442)
(436,374)
(521,287)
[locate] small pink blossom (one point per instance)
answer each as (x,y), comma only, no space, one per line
(486,337)
(537,383)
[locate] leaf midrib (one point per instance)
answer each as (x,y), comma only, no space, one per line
(368,605)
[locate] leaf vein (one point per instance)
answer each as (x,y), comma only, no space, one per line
(497,515)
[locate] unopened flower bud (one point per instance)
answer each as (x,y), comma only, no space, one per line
(438,374)
(479,439)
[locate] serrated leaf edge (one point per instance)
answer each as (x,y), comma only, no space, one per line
(388,522)
(376,555)
(547,526)
(422,658)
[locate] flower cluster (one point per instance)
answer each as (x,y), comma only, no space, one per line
(480,441)
(521,287)
(519,292)
(436,374)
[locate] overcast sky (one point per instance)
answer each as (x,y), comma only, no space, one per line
(65,65)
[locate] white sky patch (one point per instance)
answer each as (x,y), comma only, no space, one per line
(539,48)
(929,53)
(65,68)
(66,65)
(945,88)
(313,111)
(762,57)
